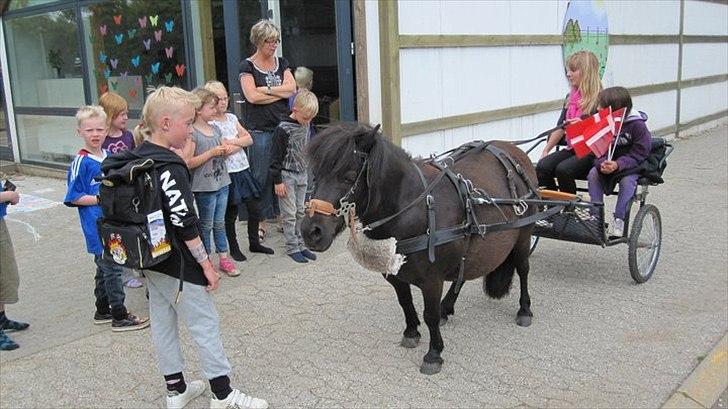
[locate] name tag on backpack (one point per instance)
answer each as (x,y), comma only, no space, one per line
(158,238)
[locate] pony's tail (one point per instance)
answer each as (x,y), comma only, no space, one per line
(497,283)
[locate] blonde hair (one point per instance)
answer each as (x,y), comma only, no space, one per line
(206,96)
(306,103)
(264,30)
(304,78)
(215,86)
(88,112)
(591,84)
(161,101)
(113,105)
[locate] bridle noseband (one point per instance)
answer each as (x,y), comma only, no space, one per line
(346,209)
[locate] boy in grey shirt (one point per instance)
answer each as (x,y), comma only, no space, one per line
(288,169)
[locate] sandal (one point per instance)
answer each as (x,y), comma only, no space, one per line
(261,234)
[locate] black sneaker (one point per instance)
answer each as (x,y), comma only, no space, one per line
(307,253)
(102,318)
(130,323)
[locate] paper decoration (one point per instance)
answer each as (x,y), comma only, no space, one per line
(169,25)
(103,89)
(131,33)
(158,35)
(142,22)
(117,20)
(135,60)
(102,29)
(102,57)
(154,20)
(138,81)
(180,68)
(147,43)
(119,38)
(124,75)
(148,77)
(168,78)
(114,85)
(107,73)
(169,51)
(114,62)
(132,93)
(155,68)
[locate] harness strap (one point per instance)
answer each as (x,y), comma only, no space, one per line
(428,189)
(431,227)
(444,236)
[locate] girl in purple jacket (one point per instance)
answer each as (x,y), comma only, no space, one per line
(633,146)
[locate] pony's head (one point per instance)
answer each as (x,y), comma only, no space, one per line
(342,158)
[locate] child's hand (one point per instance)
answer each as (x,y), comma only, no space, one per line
(213,278)
(280,190)
(10,196)
(608,167)
(219,150)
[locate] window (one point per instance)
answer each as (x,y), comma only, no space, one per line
(132,45)
(44,61)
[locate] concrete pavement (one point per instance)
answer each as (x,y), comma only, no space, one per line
(326,334)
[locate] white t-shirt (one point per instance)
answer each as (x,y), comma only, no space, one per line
(229,130)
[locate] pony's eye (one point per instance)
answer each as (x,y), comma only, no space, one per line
(349,177)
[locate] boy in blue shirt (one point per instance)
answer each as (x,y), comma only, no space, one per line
(83,193)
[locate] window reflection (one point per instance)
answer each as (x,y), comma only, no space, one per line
(44,61)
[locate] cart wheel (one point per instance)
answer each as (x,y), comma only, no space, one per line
(645,240)
(534,243)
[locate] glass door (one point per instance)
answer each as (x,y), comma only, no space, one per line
(315,35)
(6,149)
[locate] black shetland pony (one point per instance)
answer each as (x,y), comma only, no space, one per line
(354,160)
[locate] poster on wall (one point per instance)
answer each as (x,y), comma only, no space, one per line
(586,28)
(136,46)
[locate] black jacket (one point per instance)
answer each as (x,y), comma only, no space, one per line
(178,207)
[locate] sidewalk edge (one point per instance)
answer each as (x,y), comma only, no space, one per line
(702,388)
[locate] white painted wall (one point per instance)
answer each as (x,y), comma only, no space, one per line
(436,83)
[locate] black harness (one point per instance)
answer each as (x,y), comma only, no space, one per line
(470,197)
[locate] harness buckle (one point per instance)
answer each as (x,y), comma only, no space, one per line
(520,207)
(482,230)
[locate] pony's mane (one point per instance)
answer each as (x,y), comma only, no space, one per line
(332,148)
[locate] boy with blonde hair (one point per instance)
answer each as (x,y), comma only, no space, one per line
(288,169)
(82,193)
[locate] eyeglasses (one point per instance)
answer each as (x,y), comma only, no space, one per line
(273,41)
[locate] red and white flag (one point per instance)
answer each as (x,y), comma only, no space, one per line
(600,135)
(618,118)
(576,132)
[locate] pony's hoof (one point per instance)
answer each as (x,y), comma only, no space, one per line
(443,321)
(430,368)
(409,342)
(523,320)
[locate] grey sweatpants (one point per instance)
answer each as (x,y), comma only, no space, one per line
(197,310)
(292,209)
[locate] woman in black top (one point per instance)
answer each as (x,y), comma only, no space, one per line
(267,83)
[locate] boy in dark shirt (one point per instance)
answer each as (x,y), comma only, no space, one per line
(288,170)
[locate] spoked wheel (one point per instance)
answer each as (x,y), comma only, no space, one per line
(645,241)
(534,243)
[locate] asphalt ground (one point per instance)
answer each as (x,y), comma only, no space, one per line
(326,334)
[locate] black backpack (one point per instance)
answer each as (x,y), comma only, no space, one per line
(132,230)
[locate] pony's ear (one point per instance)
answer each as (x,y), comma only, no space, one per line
(367,140)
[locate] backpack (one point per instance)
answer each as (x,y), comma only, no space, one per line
(132,228)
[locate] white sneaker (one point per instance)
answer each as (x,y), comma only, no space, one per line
(238,400)
(180,400)
(618,227)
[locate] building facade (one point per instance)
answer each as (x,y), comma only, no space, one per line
(435,73)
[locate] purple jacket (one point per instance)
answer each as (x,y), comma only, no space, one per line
(633,145)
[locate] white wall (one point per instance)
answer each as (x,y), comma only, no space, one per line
(442,82)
